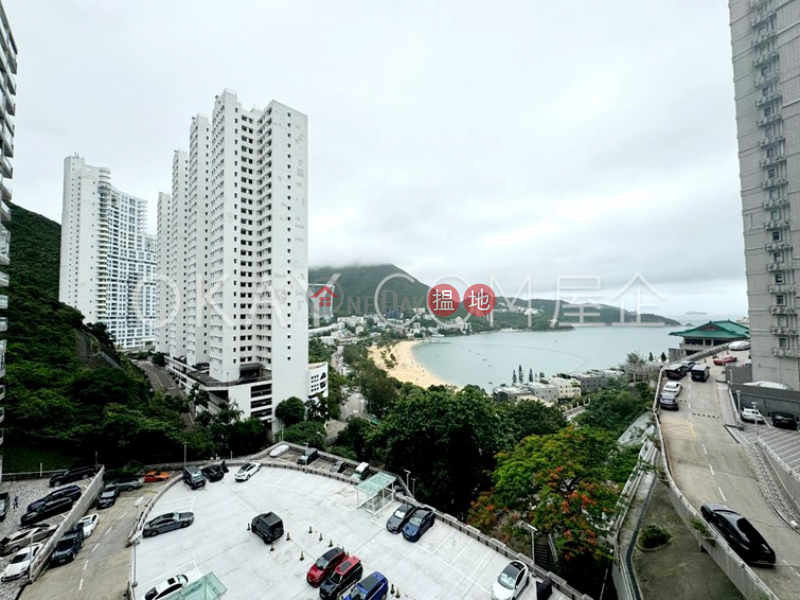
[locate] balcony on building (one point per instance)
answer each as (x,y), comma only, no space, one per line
(772,160)
(6,170)
(768,98)
(2,358)
(780,309)
(2,391)
(777,224)
(8,140)
(773,75)
(781,288)
(762,38)
(4,279)
(778,266)
(787,352)
(763,58)
(791,331)
(775,203)
(774,246)
(3,302)
(5,245)
(759,19)
(773,118)
(3,324)
(5,211)
(771,140)
(774,182)
(5,191)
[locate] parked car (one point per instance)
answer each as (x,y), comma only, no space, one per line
(48,509)
(167,522)
(170,586)
(400,517)
(374,587)
(193,477)
(74,474)
(324,566)
(3,505)
(418,524)
(214,472)
(668,401)
(108,497)
(784,420)
(346,574)
(13,542)
(21,562)
(68,546)
(155,476)
(753,415)
(129,483)
(89,522)
(724,360)
(338,467)
(741,536)
(279,450)
(686,365)
(740,345)
(247,470)
(267,526)
(674,371)
(700,372)
(672,387)
(73,492)
(308,456)
(511,581)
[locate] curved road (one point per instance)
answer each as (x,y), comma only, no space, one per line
(710,466)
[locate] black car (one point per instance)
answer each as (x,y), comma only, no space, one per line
(784,420)
(343,577)
(215,472)
(741,536)
(338,467)
(108,497)
(167,522)
(418,524)
(400,517)
(668,401)
(68,546)
(73,492)
(74,474)
(48,509)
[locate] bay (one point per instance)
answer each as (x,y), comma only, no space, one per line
(489,359)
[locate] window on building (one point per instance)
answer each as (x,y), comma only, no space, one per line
(770,173)
(776,235)
(779,279)
(777,256)
(770,151)
(782,342)
(780,300)
(767,111)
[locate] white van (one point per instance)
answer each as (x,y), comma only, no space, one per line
(361,472)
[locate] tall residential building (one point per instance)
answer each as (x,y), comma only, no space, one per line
(108,262)
(8,108)
(235,236)
(766,59)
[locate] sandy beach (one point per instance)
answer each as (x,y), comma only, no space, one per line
(406,366)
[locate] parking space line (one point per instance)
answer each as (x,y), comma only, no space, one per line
(712,469)
(459,554)
(447,537)
(721,493)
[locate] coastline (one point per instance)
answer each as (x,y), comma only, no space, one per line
(406,367)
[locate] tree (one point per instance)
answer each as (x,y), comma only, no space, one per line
(663,357)
(531,417)
(446,439)
(530,375)
(357,436)
(309,433)
(521,378)
(291,411)
(560,484)
(513,377)
(650,357)
(159,359)
(614,409)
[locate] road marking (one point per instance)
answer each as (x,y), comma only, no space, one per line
(712,469)
(80,585)
(122,515)
(721,493)
(85,564)
(95,548)
(705,450)
(108,530)
(691,428)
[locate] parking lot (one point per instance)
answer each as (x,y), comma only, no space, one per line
(444,564)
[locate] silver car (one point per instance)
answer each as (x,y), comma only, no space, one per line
(167,522)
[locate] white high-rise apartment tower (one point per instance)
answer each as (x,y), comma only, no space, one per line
(108,263)
(235,235)
(766,58)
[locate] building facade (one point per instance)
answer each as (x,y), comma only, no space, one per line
(236,237)
(8,108)
(108,262)
(766,56)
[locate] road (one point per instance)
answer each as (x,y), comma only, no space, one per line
(710,466)
(102,568)
(159,379)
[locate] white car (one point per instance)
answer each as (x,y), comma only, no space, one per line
(21,562)
(247,471)
(89,522)
(510,583)
(162,590)
(673,387)
(740,345)
(279,451)
(752,414)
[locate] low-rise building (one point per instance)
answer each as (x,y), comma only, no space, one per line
(543,391)
(567,387)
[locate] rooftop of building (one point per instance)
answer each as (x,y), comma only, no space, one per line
(447,562)
(719,330)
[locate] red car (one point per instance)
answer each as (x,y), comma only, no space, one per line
(724,360)
(325,565)
(154,476)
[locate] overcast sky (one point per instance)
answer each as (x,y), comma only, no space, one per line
(511,139)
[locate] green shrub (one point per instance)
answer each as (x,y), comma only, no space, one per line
(653,536)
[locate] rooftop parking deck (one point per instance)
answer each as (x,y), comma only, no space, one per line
(445,564)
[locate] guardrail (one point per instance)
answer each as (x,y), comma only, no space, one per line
(789,478)
(558,583)
(741,575)
(73,516)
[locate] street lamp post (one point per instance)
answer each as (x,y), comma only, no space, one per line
(533,531)
(184,454)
